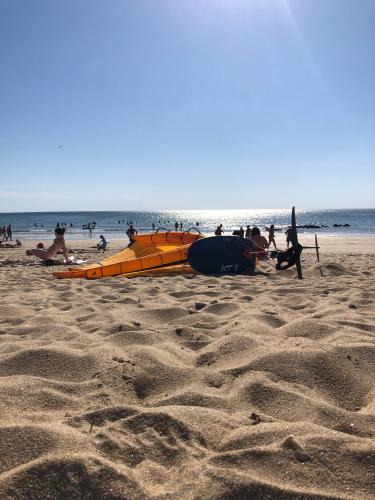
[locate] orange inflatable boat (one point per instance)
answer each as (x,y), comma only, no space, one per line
(147,251)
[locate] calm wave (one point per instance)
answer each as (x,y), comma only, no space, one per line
(114,224)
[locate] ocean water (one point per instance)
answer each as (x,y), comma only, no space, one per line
(40,225)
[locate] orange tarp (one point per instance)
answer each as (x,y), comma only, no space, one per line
(147,251)
(176,269)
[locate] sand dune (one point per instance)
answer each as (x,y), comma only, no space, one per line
(189,386)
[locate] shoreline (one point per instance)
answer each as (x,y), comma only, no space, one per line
(118,234)
(328,244)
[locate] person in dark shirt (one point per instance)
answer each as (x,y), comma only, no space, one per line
(288,233)
(102,245)
(131,232)
(271,235)
(9,233)
(219,230)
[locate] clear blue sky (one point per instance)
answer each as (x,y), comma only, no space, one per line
(186,104)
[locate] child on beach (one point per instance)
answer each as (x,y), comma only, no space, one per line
(102,245)
(57,245)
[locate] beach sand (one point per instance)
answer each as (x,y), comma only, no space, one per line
(190,386)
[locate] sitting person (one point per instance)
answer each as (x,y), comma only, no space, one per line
(219,230)
(102,245)
(11,245)
(57,246)
(259,241)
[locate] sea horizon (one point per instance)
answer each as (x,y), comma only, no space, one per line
(31,225)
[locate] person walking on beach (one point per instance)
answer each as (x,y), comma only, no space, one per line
(248,232)
(241,232)
(271,235)
(9,233)
(176,226)
(288,233)
(131,232)
(57,245)
(219,230)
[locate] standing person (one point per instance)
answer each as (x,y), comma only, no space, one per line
(248,232)
(241,232)
(153,226)
(271,235)
(51,252)
(288,233)
(131,232)
(180,226)
(219,230)
(9,233)
(176,226)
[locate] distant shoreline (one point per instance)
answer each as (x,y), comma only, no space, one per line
(328,244)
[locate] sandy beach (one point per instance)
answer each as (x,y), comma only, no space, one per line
(189,386)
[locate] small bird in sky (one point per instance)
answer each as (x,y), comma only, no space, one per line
(60,146)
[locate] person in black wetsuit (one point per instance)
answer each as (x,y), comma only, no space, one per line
(9,233)
(131,232)
(219,230)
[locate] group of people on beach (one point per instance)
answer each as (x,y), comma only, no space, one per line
(6,233)
(58,245)
(253,234)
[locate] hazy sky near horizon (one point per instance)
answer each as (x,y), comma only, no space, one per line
(186,104)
